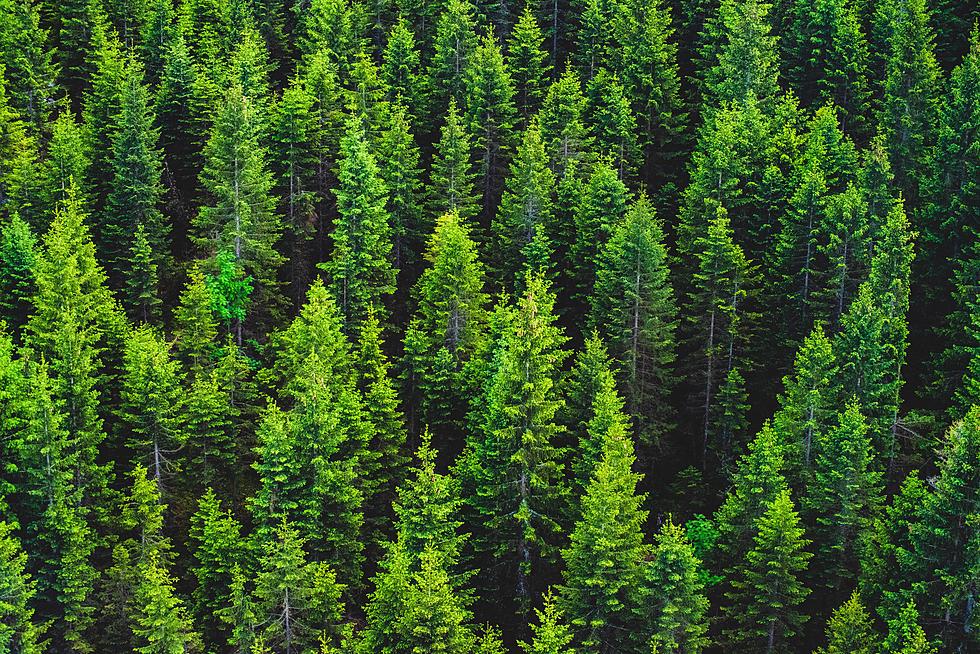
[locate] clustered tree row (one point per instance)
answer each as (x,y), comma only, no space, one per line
(410,327)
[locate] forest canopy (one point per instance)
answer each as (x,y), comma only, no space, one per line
(473,326)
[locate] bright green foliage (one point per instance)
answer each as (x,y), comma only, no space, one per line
(747,62)
(768,591)
(454,43)
(562,122)
(360,270)
(218,551)
(196,327)
(401,69)
(633,308)
(612,123)
(717,317)
(365,97)
(528,64)
(448,326)
(490,114)
(162,626)
(844,251)
(729,412)
(18,168)
(551,635)
(604,562)
(678,606)
(334,28)
(843,496)
(398,162)
(142,279)
(905,636)
(19,634)
(911,93)
(135,192)
(239,614)
(18,254)
(807,404)
(209,426)
(157,35)
(240,217)
(230,290)
(150,409)
(849,630)
(28,62)
(451,184)
(601,208)
(945,538)
(297,602)
(594,38)
(525,207)
(513,464)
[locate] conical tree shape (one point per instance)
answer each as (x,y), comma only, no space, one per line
(162,626)
(528,64)
(452,180)
(849,630)
(19,632)
(747,56)
(550,635)
(905,636)
(601,208)
(18,256)
(678,606)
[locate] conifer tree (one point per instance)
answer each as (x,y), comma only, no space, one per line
(843,496)
(333,27)
(845,254)
(398,161)
(401,69)
(600,210)
(135,192)
(240,217)
(513,465)
(527,62)
(360,270)
(563,125)
(195,327)
(447,328)
(905,636)
(612,123)
(745,58)
(162,625)
(849,630)
(718,316)
(526,207)
(678,606)
(550,635)
(490,114)
(217,549)
(604,562)
(19,167)
(18,255)
(452,179)
(454,45)
(142,279)
(18,630)
(768,591)
(29,63)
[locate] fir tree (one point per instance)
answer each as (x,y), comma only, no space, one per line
(528,64)
(768,591)
(217,549)
(162,626)
(562,121)
(454,44)
(195,327)
(849,630)
(745,57)
(29,63)
(600,210)
(398,161)
(905,636)
(19,632)
(401,69)
(452,180)
(18,255)
(612,123)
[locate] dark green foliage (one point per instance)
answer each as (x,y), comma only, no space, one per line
(18,254)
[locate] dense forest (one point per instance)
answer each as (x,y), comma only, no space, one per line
(475,326)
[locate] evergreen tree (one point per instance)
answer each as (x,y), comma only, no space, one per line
(135,192)
(452,180)
(677,600)
(217,549)
(401,69)
(562,121)
(360,270)
(454,45)
(239,218)
(18,631)
(527,62)
(526,207)
(905,636)
(600,210)
(195,327)
(18,256)
(745,58)
(162,626)
(29,63)
(490,119)
(849,630)
(142,283)
(398,161)
(612,123)
(768,591)
(513,465)
(604,562)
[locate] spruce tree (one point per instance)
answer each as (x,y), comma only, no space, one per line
(550,635)
(905,636)
(563,125)
(604,562)
(360,270)
(162,625)
(452,179)
(768,591)
(512,465)
(18,255)
(19,632)
(401,70)
(398,162)
(239,217)
(600,210)
(528,64)
(612,123)
(217,549)
(745,58)
(849,630)
(454,44)
(526,207)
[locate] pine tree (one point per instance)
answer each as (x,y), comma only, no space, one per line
(142,279)
(360,270)
(135,192)
(526,207)
(333,27)
(633,308)
(447,328)
(162,626)
(527,62)
(844,252)
(195,327)
(678,606)
(612,123)
(401,69)
(29,63)
(905,636)
(454,45)
(551,634)
(768,591)
(909,108)
(239,217)
(600,210)
(19,633)
(452,180)
(18,255)
(398,161)
(490,116)
(216,544)
(745,58)
(19,167)
(603,576)
(849,630)
(157,34)
(843,496)
(717,316)
(512,464)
